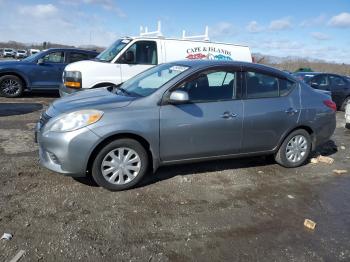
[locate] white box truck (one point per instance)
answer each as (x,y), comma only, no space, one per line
(130,56)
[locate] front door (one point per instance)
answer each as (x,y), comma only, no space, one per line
(210,124)
(271,108)
(139,57)
(339,89)
(48,74)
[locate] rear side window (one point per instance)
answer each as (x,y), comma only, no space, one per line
(75,57)
(260,85)
(285,86)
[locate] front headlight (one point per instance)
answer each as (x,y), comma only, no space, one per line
(75,120)
(72,79)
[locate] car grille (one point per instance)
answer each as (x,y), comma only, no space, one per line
(44,118)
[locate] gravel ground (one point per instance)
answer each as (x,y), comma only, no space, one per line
(237,210)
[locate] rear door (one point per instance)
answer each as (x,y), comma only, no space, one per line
(145,56)
(48,75)
(210,124)
(271,108)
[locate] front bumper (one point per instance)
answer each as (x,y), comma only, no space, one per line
(64,91)
(66,153)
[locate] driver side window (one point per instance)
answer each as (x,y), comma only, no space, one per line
(211,86)
(320,81)
(141,52)
(54,57)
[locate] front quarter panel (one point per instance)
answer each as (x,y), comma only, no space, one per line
(139,120)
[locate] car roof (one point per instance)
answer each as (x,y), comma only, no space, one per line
(72,49)
(198,64)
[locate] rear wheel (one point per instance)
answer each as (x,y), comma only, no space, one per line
(295,149)
(11,86)
(120,165)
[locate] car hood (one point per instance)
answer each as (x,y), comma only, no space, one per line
(11,63)
(99,98)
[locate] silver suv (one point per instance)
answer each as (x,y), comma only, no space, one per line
(183,112)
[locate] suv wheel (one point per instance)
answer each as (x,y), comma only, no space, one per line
(11,86)
(295,149)
(120,165)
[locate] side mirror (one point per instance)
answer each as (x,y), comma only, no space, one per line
(129,56)
(40,61)
(178,97)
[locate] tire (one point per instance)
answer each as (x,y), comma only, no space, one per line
(11,86)
(343,105)
(284,156)
(347,125)
(114,152)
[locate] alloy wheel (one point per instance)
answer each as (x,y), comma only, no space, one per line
(10,87)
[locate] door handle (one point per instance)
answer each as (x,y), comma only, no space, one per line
(228,115)
(291,111)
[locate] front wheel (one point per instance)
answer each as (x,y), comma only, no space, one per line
(11,86)
(295,149)
(120,165)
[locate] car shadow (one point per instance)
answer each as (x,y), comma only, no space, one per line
(36,94)
(12,109)
(189,169)
(168,172)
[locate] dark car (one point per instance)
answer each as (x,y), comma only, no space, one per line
(42,71)
(182,112)
(337,85)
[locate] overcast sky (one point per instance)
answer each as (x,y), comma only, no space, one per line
(308,28)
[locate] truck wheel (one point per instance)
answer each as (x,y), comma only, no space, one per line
(120,165)
(295,149)
(11,86)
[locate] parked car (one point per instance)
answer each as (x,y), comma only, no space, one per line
(42,71)
(8,52)
(347,115)
(33,51)
(129,56)
(338,85)
(183,112)
(1,52)
(21,54)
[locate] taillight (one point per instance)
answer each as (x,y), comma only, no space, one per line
(330,104)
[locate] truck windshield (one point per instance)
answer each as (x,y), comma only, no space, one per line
(109,54)
(151,80)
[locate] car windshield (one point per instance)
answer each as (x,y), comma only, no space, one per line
(8,50)
(151,80)
(33,57)
(110,53)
